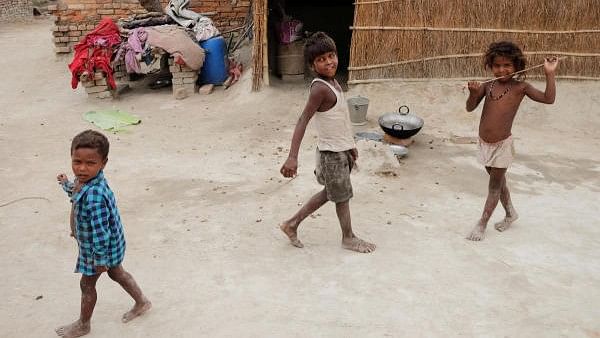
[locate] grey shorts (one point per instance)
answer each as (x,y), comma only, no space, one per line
(333,171)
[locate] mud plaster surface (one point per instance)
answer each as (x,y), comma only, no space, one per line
(200,195)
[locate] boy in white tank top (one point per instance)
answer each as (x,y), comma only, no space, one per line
(336,151)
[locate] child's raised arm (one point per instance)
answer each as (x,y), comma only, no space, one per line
(317,93)
(67,185)
(548,96)
(476,94)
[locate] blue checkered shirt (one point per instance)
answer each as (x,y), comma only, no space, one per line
(99,231)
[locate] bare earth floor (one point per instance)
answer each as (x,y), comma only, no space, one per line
(200,195)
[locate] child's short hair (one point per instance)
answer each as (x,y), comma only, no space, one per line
(93,140)
(318,44)
(509,50)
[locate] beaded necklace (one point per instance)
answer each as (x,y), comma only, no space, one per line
(501,95)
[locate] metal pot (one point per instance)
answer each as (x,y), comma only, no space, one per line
(400,124)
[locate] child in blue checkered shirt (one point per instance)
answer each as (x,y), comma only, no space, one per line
(96,225)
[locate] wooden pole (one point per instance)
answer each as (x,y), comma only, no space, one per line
(455,56)
(472,29)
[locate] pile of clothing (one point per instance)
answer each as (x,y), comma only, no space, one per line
(181,40)
(201,25)
(93,53)
(144,42)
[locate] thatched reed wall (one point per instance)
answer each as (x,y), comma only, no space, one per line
(446,38)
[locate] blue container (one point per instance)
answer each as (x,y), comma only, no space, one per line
(214,70)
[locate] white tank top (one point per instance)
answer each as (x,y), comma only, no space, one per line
(334,128)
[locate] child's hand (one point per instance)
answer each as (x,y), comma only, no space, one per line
(354,154)
(62,178)
(474,86)
(289,168)
(550,65)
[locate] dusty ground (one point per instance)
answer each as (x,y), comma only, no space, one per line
(200,195)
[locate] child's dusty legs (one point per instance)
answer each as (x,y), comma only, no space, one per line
(124,278)
(88,301)
(494,192)
(349,240)
(290,227)
(511,213)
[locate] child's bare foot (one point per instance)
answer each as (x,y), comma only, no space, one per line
(506,222)
(75,329)
(477,233)
(292,234)
(136,311)
(357,244)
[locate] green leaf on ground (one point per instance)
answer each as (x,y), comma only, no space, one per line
(113,120)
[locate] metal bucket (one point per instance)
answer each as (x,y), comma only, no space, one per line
(358,107)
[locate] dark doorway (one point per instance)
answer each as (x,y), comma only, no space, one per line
(333,17)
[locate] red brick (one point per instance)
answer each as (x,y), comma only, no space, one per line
(62,49)
(227,15)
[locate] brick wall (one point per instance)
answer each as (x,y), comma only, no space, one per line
(14,9)
(75,18)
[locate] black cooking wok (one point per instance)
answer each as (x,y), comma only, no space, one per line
(400,124)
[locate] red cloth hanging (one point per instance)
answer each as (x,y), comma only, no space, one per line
(94,51)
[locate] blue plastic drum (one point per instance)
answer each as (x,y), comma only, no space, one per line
(214,70)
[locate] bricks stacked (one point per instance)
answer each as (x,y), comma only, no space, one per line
(67,36)
(75,18)
(184,78)
(15,9)
(96,85)
(120,72)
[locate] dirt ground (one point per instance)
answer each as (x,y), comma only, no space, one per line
(200,195)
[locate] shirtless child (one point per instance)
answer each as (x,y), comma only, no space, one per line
(502,99)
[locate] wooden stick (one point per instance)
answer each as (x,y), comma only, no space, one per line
(371,2)
(233,30)
(452,79)
(468,29)
(563,53)
(414,60)
(522,71)
(441,57)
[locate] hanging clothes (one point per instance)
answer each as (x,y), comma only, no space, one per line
(94,52)
(129,50)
